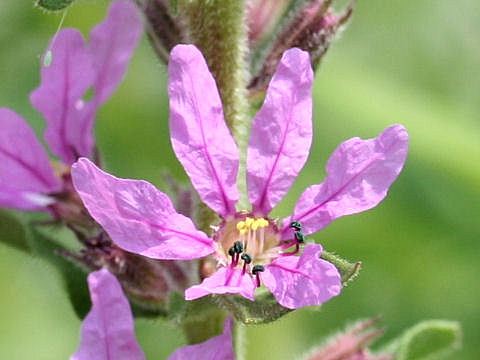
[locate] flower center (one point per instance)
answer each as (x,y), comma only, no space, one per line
(248,242)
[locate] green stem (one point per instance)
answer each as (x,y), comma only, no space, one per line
(240,341)
(199,330)
(218,28)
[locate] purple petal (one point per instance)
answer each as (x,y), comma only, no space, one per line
(58,98)
(224,281)
(138,217)
(200,137)
(108,330)
(24,200)
(359,173)
(217,348)
(25,170)
(112,43)
(281,132)
(305,280)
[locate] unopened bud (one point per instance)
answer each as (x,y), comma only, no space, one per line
(148,282)
(261,16)
(352,344)
(164,29)
(311,29)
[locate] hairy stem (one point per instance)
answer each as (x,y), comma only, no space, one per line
(218,28)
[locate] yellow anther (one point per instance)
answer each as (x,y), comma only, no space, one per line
(248,222)
(243,231)
(255,225)
(263,222)
(240,225)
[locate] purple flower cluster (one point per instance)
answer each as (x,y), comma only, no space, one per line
(248,245)
(248,248)
(27,179)
(108,331)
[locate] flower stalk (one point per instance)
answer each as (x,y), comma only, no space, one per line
(219,29)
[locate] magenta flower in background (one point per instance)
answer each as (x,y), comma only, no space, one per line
(107,331)
(26,176)
(248,246)
(219,347)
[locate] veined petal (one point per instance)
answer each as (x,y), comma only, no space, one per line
(359,173)
(24,200)
(25,168)
(108,330)
(112,43)
(138,217)
(217,348)
(224,281)
(200,137)
(305,280)
(58,98)
(281,132)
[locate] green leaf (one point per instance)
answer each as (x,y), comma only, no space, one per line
(54,5)
(428,340)
(263,310)
(12,232)
(73,277)
(15,233)
(348,270)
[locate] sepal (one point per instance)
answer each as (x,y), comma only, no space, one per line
(308,25)
(348,270)
(263,310)
(54,5)
(351,344)
(428,340)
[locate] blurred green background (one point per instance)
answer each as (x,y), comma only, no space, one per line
(414,62)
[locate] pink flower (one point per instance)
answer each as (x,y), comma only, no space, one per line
(249,246)
(219,347)
(69,69)
(107,331)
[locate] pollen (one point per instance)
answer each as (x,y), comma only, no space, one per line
(251,224)
(241,225)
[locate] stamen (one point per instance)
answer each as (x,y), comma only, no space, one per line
(241,225)
(233,254)
(262,240)
(296,225)
(253,244)
(299,236)
(255,271)
(238,247)
(249,238)
(247,260)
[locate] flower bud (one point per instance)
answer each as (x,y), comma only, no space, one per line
(164,29)
(147,282)
(352,344)
(312,29)
(261,16)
